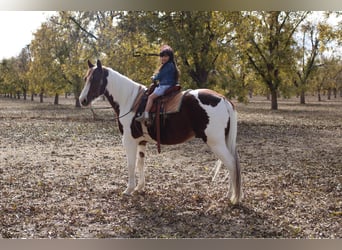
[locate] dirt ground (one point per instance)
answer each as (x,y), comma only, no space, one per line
(62,174)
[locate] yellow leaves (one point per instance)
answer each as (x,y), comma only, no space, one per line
(336,213)
(295,230)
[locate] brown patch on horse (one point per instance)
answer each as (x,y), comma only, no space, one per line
(98,82)
(209,97)
(191,121)
(116,108)
(88,74)
(138,99)
(136,129)
(179,127)
(198,117)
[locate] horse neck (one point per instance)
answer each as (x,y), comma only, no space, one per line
(123,89)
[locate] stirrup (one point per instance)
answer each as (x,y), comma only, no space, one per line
(142,118)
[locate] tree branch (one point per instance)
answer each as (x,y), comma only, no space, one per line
(83,29)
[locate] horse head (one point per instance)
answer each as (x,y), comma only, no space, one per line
(95,83)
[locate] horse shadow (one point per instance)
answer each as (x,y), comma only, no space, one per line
(153,217)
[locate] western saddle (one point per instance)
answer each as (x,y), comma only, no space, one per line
(167,103)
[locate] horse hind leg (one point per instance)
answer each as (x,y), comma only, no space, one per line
(224,155)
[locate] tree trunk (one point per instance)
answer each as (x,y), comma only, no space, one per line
(268,96)
(274,99)
(302,97)
(56,99)
(77,104)
(329,94)
(41,97)
(250,94)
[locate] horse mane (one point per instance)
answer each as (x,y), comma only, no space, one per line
(119,83)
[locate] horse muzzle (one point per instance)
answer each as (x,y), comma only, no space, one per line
(84,102)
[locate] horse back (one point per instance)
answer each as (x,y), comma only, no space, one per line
(190,121)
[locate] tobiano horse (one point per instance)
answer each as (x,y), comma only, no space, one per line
(203,114)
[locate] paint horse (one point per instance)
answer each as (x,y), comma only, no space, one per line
(203,114)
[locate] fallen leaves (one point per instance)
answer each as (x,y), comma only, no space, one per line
(62,176)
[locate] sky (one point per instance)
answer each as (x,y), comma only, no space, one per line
(17,28)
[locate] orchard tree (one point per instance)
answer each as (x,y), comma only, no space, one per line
(8,77)
(78,28)
(198,38)
(23,65)
(267,39)
(13,76)
(49,51)
(327,77)
(125,49)
(307,55)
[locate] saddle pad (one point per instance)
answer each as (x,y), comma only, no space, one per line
(172,104)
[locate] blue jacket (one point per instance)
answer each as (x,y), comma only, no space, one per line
(166,75)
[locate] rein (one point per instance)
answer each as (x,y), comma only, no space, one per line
(121,116)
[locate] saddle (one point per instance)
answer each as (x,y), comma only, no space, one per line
(168,103)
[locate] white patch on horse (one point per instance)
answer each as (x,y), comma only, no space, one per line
(84,93)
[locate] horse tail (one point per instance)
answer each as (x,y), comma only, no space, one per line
(231,145)
(232,133)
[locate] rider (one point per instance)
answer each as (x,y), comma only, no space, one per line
(167,75)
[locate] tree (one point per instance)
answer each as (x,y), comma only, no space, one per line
(23,62)
(327,77)
(308,54)
(125,50)
(45,68)
(76,28)
(13,76)
(199,38)
(267,39)
(8,77)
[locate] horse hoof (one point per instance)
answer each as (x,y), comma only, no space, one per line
(128,192)
(234,200)
(139,188)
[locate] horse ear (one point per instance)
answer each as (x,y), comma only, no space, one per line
(90,65)
(98,64)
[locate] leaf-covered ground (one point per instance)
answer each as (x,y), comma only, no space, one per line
(62,174)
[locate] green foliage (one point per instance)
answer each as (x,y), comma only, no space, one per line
(235,53)
(199,38)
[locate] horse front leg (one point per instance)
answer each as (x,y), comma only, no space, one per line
(130,146)
(140,164)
